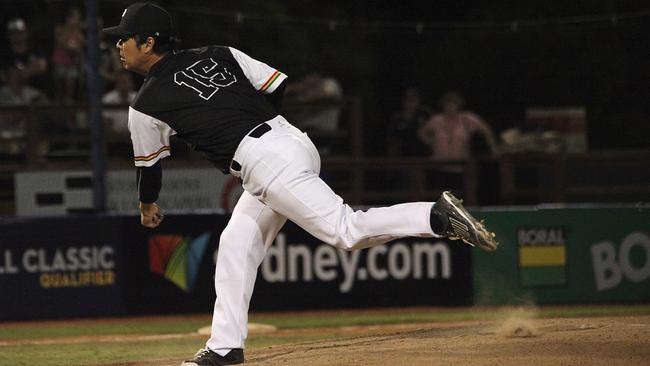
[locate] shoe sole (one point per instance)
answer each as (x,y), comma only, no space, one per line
(485,239)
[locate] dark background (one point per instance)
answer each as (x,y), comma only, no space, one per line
(504,56)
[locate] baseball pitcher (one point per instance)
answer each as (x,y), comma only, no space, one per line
(225,104)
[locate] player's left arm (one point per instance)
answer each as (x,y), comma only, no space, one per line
(264,78)
(277,97)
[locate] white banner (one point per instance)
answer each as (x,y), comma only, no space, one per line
(63,192)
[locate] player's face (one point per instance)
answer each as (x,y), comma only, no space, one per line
(132,57)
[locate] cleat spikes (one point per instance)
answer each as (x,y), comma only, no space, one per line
(460,224)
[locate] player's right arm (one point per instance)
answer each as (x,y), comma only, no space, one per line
(150,138)
(149,184)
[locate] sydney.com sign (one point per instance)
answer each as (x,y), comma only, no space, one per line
(404,272)
(397,261)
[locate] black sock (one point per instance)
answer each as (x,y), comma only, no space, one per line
(436,223)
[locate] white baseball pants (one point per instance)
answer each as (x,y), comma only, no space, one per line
(279,171)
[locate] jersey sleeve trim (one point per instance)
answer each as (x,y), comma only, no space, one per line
(273,82)
(153,155)
(263,77)
(150,137)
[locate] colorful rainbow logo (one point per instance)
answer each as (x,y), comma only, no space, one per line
(177,258)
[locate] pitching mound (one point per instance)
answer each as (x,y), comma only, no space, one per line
(518,340)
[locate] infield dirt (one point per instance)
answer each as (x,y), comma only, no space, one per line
(516,341)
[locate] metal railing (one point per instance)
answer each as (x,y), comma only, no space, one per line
(55,137)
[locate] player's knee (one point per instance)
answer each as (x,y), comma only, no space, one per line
(343,241)
(238,232)
(346,236)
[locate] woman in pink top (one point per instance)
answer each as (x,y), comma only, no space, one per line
(450,133)
(66,56)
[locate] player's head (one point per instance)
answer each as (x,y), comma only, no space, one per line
(145,32)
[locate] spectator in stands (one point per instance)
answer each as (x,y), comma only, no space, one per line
(403,139)
(16,92)
(122,95)
(455,134)
(319,98)
(109,58)
(66,56)
(31,64)
(13,124)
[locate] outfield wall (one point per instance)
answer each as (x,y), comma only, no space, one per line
(565,255)
(81,266)
(110,265)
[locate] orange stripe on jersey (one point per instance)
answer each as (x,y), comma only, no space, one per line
(270,81)
(152,156)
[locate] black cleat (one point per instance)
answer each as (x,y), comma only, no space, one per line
(206,357)
(459,224)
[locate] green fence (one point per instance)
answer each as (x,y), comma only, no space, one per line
(565,255)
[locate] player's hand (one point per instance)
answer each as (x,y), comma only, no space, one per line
(150,215)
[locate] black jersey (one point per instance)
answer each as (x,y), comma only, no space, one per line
(209,97)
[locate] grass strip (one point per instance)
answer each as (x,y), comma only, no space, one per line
(180,324)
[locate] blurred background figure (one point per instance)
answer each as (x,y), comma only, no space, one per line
(402,132)
(109,59)
(318,107)
(456,134)
(67,55)
(31,64)
(13,123)
(122,95)
(16,92)
(118,141)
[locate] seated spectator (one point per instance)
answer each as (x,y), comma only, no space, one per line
(13,124)
(66,57)
(122,95)
(16,92)
(31,64)
(109,58)
(450,133)
(320,95)
(319,107)
(403,139)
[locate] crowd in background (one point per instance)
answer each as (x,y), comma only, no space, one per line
(57,72)
(30,76)
(55,76)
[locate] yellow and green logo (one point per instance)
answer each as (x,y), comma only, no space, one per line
(542,256)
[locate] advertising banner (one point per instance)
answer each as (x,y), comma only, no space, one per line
(60,267)
(300,272)
(172,269)
(567,255)
(64,192)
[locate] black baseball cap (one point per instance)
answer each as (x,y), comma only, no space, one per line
(143,18)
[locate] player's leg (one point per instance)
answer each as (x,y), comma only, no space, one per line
(309,202)
(242,246)
(282,168)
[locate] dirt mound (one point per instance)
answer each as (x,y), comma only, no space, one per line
(519,340)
